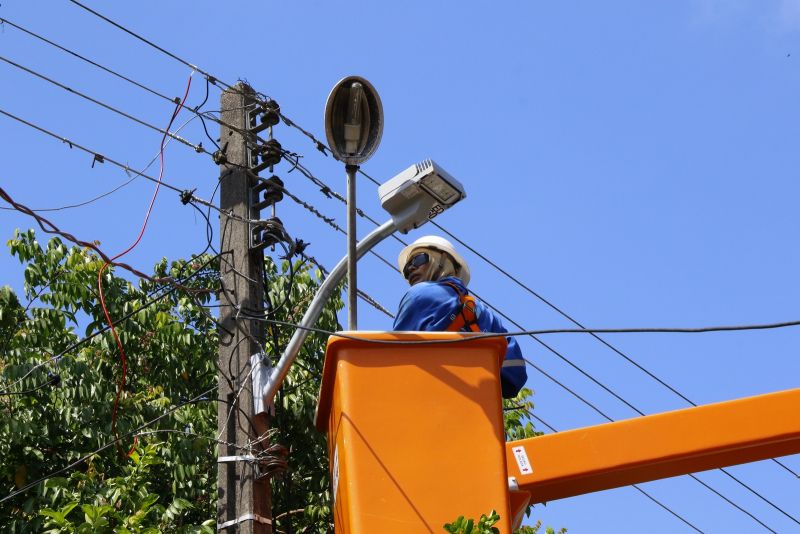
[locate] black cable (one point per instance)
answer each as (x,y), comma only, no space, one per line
(72,144)
(53,380)
(119,321)
(85,457)
(665,507)
(721,496)
(197,148)
(95,64)
(635,486)
(131,178)
(571,319)
(328,191)
(609,390)
(126,168)
(534,416)
(150,90)
(80,204)
(150,43)
(318,144)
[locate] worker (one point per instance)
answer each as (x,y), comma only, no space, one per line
(439,300)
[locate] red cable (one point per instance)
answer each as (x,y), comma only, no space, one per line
(123,358)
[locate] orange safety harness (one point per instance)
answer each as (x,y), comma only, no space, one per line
(467,318)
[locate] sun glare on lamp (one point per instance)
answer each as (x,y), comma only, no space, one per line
(418,194)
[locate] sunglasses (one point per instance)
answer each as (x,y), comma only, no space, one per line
(418,260)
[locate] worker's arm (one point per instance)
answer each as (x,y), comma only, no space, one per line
(513,373)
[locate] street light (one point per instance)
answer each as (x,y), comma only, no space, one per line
(418,194)
(353,126)
(412,197)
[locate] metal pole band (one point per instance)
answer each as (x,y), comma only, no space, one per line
(241,519)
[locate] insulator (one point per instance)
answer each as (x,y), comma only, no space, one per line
(273,192)
(219,157)
(271,152)
(268,233)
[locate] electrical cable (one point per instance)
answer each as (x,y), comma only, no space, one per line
(565,315)
(486,335)
(197,148)
(123,358)
(51,228)
(635,486)
(145,305)
(53,380)
(328,192)
(211,78)
(99,157)
(186,195)
(117,188)
(175,100)
(97,451)
(319,145)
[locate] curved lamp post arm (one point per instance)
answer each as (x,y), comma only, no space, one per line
(315,309)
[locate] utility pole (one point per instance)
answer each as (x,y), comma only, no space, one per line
(244,498)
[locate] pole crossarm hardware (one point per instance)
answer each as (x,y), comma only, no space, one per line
(657,446)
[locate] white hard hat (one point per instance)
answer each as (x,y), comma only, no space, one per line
(437,243)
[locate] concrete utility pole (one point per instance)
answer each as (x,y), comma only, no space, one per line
(244,504)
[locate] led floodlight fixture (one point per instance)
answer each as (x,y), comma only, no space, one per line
(419,194)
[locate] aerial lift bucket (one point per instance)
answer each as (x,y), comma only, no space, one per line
(415,431)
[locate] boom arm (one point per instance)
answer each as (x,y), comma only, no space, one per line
(656,446)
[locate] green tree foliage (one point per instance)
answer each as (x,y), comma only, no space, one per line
(484,525)
(59,377)
(59,372)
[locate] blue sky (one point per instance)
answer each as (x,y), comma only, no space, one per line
(633,162)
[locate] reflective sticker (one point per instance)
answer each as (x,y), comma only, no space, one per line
(335,471)
(522,460)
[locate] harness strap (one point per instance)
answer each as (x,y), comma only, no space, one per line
(467,317)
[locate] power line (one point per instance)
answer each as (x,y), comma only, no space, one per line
(122,319)
(87,60)
(576,323)
(319,145)
(634,408)
(197,148)
(533,333)
(211,78)
(635,486)
(325,189)
(186,194)
(175,100)
(112,191)
(111,443)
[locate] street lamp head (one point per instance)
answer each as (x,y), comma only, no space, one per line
(353,120)
(418,194)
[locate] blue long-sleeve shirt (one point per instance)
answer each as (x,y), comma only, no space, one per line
(431,307)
